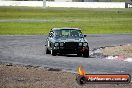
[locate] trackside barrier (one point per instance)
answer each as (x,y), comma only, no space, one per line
(87,4)
(68,4)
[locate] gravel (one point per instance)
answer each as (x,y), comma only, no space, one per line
(19,76)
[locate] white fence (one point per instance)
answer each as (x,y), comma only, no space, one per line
(87,4)
(65,4)
(21,3)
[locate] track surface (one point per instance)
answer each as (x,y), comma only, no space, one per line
(30,49)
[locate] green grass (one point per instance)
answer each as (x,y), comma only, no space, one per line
(91,21)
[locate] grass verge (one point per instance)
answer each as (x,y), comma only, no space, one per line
(91,21)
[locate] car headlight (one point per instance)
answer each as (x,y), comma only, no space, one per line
(80,43)
(56,44)
(61,44)
(85,44)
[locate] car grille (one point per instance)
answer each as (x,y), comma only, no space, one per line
(71,45)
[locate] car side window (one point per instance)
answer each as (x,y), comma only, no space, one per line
(74,33)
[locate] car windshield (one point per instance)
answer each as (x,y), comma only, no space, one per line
(65,33)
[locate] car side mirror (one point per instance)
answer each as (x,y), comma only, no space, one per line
(85,35)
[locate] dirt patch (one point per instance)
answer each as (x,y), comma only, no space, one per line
(19,76)
(124,50)
(15,76)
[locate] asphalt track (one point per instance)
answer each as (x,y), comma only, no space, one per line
(30,50)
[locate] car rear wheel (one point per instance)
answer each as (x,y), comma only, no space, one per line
(53,53)
(47,51)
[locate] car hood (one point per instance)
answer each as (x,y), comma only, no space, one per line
(71,40)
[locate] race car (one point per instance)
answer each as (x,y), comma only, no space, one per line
(66,41)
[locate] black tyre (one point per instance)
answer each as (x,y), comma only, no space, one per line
(86,54)
(47,51)
(81,80)
(53,52)
(60,54)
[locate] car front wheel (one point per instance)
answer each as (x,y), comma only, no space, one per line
(86,54)
(47,51)
(53,53)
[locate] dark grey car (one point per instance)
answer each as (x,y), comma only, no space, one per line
(67,41)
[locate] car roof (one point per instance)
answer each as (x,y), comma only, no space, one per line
(65,28)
